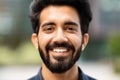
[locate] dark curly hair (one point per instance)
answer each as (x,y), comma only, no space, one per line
(82,7)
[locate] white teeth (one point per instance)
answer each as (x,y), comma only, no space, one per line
(59,50)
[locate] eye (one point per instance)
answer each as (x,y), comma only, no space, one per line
(48,28)
(71,28)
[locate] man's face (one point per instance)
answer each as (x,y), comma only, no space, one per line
(59,38)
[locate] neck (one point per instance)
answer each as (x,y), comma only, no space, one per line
(71,74)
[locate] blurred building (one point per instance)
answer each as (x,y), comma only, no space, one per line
(14,22)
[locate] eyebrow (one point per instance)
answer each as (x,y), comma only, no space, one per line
(48,23)
(66,23)
(70,23)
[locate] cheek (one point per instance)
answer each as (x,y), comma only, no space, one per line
(44,40)
(76,41)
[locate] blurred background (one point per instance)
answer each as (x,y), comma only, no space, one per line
(19,60)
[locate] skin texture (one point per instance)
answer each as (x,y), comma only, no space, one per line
(60,24)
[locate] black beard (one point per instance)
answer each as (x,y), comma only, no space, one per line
(60,66)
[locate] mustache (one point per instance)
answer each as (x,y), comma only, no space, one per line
(63,44)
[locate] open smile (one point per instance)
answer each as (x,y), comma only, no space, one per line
(60,51)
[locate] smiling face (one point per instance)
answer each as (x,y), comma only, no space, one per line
(59,40)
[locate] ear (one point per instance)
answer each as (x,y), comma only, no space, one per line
(34,40)
(85,40)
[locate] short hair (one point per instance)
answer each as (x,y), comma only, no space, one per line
(82,7)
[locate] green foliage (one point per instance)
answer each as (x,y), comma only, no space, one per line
(95,50)
(25,54)
(116,64)
(114,45)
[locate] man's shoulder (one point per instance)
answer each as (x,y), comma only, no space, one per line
(32,78)
(36,77)
(84,76)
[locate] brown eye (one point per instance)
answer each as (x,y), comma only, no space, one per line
(71,28)
(48,28)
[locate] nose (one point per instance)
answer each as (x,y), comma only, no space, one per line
(60,36)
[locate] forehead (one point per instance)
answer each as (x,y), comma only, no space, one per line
(59,12)
(59,7)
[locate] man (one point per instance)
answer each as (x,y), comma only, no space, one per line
(60,35)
